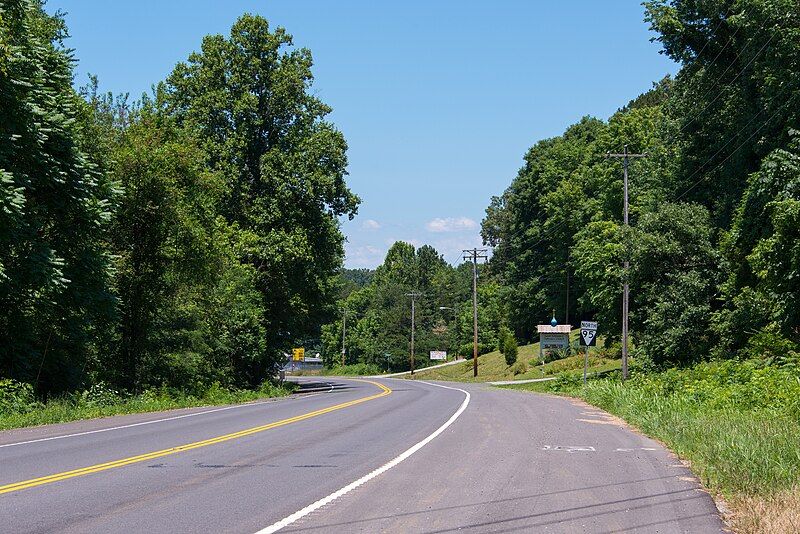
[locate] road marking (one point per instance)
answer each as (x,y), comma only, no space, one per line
(285,522)
(569,448)
(24,484)
(120,427)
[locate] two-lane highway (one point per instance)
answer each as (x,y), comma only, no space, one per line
(357,456)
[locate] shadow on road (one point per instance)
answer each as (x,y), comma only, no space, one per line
(555,515)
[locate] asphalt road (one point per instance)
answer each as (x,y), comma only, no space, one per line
(354,456)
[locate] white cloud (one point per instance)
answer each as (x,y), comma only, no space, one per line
(370,224)
(450,224)
(392,240)
(364,256)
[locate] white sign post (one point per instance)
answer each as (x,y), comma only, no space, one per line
(588,339)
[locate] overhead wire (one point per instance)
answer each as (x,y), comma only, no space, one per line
(553,229)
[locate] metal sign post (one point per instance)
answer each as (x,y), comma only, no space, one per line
(588,339)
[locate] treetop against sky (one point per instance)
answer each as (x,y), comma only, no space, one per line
(437,100)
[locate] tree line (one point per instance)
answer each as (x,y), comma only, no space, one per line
(377,311)
(714,239)
(183,239)
(713,242)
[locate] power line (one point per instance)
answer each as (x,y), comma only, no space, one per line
(724,18)
(719,94)
(702,178)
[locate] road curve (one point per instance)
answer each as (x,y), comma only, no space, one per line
(502,461)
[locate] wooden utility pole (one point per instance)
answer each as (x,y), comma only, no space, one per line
(625,288)
(473,255)
(414,296)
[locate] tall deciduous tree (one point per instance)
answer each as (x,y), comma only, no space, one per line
(284,165)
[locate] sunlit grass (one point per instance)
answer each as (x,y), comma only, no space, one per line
(492,366)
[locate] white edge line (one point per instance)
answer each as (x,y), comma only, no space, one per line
(120,427)
(285,522)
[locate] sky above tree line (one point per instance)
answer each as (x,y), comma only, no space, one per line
(438,100)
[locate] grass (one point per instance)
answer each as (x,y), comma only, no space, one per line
(492,366)
(83,406)
(737,423)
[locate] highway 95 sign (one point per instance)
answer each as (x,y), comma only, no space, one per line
(588,333)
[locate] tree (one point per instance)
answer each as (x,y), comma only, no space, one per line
(379,313)
(507,345)
(54,209)
(248,98)
(761,251)
(675,272)
(736,95)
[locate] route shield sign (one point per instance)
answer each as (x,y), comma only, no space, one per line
(588,333)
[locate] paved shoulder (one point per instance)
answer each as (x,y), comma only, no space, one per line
(519,462)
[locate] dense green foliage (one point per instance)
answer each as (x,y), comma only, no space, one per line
(378,329)
(713,243)
(507,344)
(54,210)
(353,369)
(182,241)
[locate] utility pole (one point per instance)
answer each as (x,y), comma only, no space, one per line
(344,327)
(625,288)
(473,255)
(414,296)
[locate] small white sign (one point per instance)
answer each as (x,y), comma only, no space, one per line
(588,325)
(438,355)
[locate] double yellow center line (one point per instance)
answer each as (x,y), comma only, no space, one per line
(25,484)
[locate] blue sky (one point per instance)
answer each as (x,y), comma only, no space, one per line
(438,100)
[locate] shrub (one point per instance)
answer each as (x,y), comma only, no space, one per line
(510,350)
(519,368)
(355,369)
(17,397)
(483,348)
(100,394)
(555,354)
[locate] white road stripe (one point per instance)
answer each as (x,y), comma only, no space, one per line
(120,427)
(366,478)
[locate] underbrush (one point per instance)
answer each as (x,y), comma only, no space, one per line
(737,423)
(356,369)
(20,408)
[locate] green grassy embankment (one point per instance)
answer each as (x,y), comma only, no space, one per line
(19,408)
(737,424)
(492,366)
